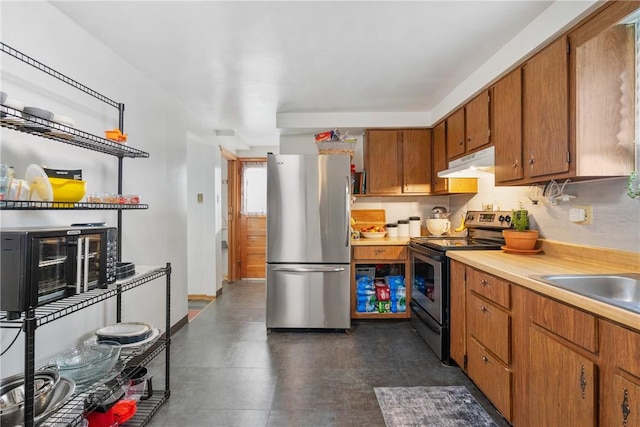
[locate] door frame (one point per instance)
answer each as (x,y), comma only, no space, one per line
(233,212)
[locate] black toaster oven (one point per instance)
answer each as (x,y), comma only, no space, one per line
(41,265)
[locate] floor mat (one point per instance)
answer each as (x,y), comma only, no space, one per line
(431,406)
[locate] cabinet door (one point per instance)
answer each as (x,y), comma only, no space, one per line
(546,111)
(457,313)
(477,122)
(620,377)
(506,122)
(382,160)
(416,161)
(455,134)
(561,384)
(439,157)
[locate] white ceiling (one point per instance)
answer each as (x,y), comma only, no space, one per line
(237,64)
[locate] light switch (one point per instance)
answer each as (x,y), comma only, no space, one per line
(200,197)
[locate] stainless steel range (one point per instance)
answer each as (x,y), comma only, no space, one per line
(430,274)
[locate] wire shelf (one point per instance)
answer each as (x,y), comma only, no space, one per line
(50,71)
(15,119)
(19,205)
(58,309)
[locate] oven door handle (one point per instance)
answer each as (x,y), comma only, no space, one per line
(79,253)
(426,321)
(86,265)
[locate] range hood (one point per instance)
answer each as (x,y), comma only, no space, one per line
(474,165)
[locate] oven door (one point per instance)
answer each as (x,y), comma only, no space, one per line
(428,282)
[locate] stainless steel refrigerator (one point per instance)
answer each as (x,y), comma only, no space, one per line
(308,241)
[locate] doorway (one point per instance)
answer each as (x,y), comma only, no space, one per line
(245,229)
(252,232)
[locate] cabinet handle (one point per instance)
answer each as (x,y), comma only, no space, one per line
(625,407)
(515,164)
(532,160)
(583,381)
(484,282)
(379,251)
(484,309)
(461,142)
(485,359)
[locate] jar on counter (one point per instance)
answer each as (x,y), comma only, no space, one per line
(403,228)
(414,226)
(392,230)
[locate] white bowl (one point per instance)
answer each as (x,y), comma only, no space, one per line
(373,234)
(438,226)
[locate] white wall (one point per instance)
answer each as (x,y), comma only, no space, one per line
(154,123)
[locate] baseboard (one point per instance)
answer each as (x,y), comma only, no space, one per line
(202,297)
(180,324)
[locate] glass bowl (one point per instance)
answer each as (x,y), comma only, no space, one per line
(87,362)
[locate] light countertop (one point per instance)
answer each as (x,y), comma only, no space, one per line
(515,268)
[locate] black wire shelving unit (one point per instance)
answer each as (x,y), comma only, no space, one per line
(76,408)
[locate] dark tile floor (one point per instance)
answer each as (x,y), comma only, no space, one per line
(227,371)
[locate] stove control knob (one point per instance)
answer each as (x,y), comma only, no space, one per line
(507,219)
(501,218)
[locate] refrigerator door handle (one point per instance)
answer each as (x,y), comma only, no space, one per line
(310,269)
(348,212)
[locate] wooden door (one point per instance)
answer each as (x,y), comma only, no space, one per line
(416,161)
(562,388)
(507,127)
(383,161)
(458,303)
(439,156)
(455,134)
(477,122)
(252,234)
(253,243)
(546,111)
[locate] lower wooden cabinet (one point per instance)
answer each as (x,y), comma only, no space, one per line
(562,383)
(620,376)
(542,362)
(380,261)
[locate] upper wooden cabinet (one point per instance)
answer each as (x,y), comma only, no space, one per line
(577,99)
(603,92)
(455,134)
(398,161)
(506,124)
(468,127)
(545,112)
(477,129)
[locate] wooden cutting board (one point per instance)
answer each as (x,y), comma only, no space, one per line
(367,218)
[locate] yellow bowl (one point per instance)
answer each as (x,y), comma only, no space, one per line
(68,190)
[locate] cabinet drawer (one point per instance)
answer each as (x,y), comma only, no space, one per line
(491,376)
(489,325)
(569,323)
(490,287)
(380,252)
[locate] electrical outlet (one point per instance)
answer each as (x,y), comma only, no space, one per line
(200,198)
(581,214)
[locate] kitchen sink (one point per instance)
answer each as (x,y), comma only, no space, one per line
(621,290)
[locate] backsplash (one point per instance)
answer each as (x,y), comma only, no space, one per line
(616,217)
